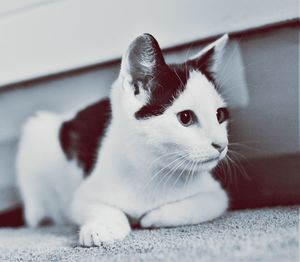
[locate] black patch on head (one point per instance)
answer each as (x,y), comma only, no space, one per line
(163,82)
(166,86)
(81,136)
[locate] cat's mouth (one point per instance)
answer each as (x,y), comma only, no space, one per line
(206,161)
(203,161)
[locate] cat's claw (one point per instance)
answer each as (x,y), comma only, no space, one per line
(96,233)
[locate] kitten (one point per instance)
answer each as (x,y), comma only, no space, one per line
(142,156)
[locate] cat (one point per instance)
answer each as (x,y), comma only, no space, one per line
(142,156)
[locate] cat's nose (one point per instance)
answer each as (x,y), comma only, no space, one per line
(219,147)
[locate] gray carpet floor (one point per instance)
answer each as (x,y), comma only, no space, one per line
(270,234)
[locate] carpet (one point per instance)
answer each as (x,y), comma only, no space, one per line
(269,234)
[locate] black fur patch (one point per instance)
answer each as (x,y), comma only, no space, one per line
(168,84)
(81,136)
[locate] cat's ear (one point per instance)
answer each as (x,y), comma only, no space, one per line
(143,60)
(209,58)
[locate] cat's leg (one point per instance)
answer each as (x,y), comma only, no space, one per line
(99,223)
(32,190)
(33,211)
(39,165)
(199,208)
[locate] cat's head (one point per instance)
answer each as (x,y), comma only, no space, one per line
(175,108)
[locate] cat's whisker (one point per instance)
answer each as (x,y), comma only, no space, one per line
(244,143)
(174,168)
(196,167)
(158,184)
(188,175)
(192,172)
(234,153)
(239,167)
(229,173)
(171,174)
(220,170)
(232,171)
(237,154)
(226,169)
(180,175)
(169,164)
(162,169)
(177,153)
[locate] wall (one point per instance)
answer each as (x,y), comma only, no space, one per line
(34,33)
(269,125)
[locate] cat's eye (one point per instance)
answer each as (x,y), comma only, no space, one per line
(186,117)
(222,114)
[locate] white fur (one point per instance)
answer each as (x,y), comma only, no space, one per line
(137,172)
(46,180)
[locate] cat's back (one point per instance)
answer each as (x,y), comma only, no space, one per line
(38,142)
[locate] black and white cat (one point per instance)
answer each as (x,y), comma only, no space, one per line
(142,156)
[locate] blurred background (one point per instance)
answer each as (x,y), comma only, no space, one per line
(61,55)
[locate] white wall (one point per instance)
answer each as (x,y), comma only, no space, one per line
(39,37)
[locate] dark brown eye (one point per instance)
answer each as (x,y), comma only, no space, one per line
(186,118)
(222,114)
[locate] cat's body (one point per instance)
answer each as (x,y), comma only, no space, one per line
(147,160)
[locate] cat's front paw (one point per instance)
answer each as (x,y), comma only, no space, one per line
(153,219)
(165,216)
(95,233)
